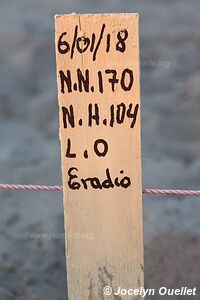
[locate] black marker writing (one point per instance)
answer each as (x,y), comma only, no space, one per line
(76,183)
(82,43)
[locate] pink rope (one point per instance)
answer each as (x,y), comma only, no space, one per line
(172,192)
(29,187)
(17,187)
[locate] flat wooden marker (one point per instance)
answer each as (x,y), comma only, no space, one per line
(99,104)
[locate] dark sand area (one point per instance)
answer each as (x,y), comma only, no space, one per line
(34,269)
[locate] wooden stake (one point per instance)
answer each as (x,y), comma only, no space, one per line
(99,103)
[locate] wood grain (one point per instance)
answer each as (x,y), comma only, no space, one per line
(104,245)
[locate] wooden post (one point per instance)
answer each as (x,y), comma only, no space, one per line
(99,106)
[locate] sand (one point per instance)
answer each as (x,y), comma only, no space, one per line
(34,268)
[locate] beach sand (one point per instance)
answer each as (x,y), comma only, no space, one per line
(34,268)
